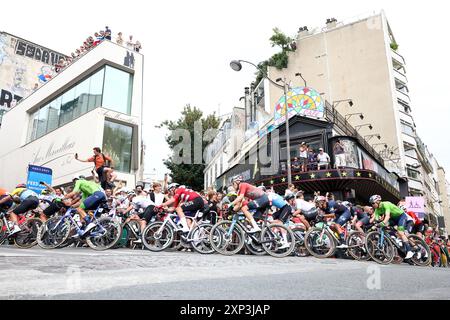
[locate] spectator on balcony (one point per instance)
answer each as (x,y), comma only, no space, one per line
(339,155)
(296,165)
(312,159)
(119,39)
(137,46)
(303,156)
(130,43)
(323,159)
(107,33)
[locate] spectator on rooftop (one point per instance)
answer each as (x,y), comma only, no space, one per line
(130,43)
(119,39)
(137,46)
(107,33)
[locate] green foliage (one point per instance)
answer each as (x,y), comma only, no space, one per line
(394,46)
(280,59)
(188,174)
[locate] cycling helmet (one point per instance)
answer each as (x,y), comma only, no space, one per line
(403,207)
(263,188)
(75,177)
(320,198)
(21,185)
(289,196)
(45,192)
(81,177)
(237,178)
(346,203)
(231,190)
(374,199)
(172,185)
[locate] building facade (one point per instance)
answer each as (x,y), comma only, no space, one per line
(94,102)
(24,66)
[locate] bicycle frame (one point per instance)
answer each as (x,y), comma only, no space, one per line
(169,220)
(69,216)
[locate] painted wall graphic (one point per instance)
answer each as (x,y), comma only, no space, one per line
(22,66)
(303,101)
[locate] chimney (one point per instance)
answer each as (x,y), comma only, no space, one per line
(303,32)
(331,23)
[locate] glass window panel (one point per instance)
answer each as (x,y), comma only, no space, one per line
(67,105)
(32,127)
(53,114)
(42,122)
(81,98)
(117,140)
(95,90)
(117,90)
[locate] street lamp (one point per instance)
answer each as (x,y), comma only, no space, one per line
(350,102)
(368,137)
(380,144)
(236,65)
(348,116)
(364,125)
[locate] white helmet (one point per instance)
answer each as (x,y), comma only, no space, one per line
(76,177)
(172,185)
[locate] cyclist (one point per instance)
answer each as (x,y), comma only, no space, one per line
(297,216)
(28,201)
(259,200)
(184,200)
(414,225)
(394,216)
(92,195)
(361,217)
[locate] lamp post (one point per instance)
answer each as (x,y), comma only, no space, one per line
(364,125)
(370,136)
(236,65)
(348,116)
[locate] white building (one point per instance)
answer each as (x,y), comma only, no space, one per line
(94,102)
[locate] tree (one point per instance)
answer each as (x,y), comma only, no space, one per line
(190,174)
(278,60)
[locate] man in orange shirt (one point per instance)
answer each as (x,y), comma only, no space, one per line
(101,166)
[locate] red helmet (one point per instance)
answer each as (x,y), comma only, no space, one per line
(21,185)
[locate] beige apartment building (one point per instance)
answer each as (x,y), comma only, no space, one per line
(357,61)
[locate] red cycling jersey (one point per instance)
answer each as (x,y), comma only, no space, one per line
(417,221)
(249,191)
(183,195)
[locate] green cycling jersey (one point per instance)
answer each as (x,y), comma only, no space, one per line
(395,211)
(87,188)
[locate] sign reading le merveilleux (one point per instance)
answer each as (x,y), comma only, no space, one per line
(37,174)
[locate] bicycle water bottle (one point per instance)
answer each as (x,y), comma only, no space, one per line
(10,225)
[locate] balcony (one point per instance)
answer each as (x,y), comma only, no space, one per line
(395,55)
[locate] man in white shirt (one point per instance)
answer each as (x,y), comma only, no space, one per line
(323,159)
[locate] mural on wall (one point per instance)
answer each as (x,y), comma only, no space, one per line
(23,66)
(303,101)
(351,153)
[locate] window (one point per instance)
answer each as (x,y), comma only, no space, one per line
(108,87)
(408,129)
(117,140)
(404,106)
(413,174)
(410,151)
(117,90)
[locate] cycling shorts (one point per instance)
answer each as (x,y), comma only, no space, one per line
(53,208)
(190,208)
(400,222)
(93,201)
(259,204)
(414,228)
(342,218)
(283,214)
(29,203)
(6,205)
(365,220)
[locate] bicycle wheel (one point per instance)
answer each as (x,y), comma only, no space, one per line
(226,241)
(382,254)
(356,246)
(278,240)
(300,247)
(422,253)
(105,234)
(27,238)
(252,246)
(3,232)
(53,233)
(155,239)
(320,243)
(200,235)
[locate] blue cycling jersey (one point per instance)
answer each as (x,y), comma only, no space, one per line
(27,193)
(277,200)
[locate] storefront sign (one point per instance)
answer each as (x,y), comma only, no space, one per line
(415,204)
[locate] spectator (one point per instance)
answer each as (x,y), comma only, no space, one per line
(130,43)
(323,159)
(303,156)
(156,195)
(296,165)
(98,39)
(339,155)
(119,39)
(312,159)
(290,189)
(137,46)
(107,33)
(36,86)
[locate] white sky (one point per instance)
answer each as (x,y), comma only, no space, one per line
(188,46)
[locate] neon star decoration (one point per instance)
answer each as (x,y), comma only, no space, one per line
(297,178)
(358,174)
(283,180)
(344,174)
(312,176)
(271,181)
(370,175)
(301,101)
(328,174)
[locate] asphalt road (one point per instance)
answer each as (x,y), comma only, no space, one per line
(74,273)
